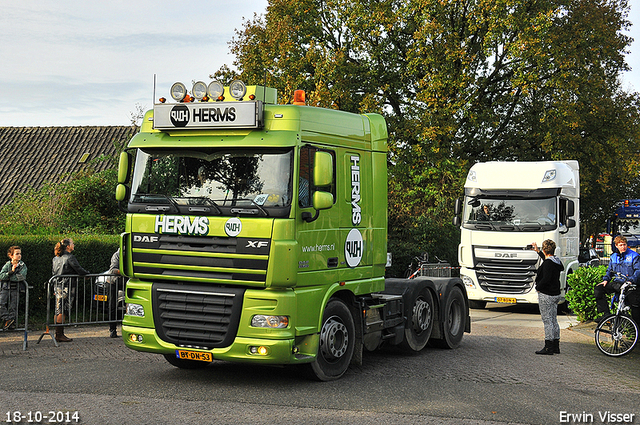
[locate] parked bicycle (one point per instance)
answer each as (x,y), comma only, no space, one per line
(617,334)
(420,266)
(416,266)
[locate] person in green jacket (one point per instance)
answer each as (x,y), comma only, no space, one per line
(12,274)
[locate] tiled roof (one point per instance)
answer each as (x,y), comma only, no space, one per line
(31,156)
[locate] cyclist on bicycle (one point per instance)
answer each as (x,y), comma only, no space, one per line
(627,263)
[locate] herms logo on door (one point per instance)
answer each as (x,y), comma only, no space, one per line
(353,248)
(356,212)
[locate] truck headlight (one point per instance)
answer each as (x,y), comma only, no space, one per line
(273,322)
(135,310)
(468,282)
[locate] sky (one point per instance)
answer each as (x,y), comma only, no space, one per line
(77,63)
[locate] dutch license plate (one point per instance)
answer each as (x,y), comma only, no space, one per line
(506,300)
(100,297)
(194,355)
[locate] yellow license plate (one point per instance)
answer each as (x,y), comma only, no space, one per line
(100,297)
(506,300)
(194,355)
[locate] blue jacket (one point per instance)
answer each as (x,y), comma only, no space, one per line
(627,264)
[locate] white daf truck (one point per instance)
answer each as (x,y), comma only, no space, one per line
(507,206)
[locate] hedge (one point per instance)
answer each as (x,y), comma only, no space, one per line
(580,295)
(92,251)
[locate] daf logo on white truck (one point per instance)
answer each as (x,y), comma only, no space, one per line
(508,206)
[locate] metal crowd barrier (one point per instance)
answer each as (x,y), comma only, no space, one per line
(84,300)
(438,270)
(24,287)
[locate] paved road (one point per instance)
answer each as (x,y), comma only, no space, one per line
(494,377)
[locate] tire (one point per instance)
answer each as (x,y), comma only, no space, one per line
(185,364)
(616,335)
(337,342)
(420,325)
(453,319)
(479,305)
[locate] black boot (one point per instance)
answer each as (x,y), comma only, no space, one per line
(112,331)
(548,348)
(556,346)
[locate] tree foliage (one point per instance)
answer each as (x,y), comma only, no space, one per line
(461,81)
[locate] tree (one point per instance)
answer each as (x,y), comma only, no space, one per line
(460,81)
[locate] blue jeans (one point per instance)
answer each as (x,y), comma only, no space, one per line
(548,305)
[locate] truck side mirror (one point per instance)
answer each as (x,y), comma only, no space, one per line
(456,220)
(121,192)
(322,200)
(570,209)
(123,168)
(457,208)
(124,172)
(322,176)
(322,169)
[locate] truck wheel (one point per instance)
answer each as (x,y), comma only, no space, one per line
(185,364)
(337,342)
(477,304)
(418,330)
(454,319)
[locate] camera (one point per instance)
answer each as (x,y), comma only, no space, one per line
(529,247)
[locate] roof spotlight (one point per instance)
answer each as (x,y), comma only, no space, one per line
(215,89)
(199,90)
(237,89)
(178,91)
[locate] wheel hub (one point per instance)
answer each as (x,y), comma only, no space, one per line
(421,315)
(334,339)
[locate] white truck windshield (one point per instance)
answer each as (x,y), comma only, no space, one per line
(510,214)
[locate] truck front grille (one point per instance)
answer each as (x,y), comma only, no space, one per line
(220,260)
(196,315)
(506,277)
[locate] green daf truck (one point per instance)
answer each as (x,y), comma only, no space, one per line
(257,232)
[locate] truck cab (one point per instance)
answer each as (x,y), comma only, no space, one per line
(507,206)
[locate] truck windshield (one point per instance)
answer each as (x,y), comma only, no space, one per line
(504,214)
(215,182)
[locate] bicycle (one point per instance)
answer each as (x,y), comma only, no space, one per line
(617,334)
(416,266)
(420,266)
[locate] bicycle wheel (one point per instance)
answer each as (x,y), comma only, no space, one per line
(616,335)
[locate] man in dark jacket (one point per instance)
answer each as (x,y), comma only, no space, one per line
(627,263)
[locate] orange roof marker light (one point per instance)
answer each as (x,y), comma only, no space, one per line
(299,97)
